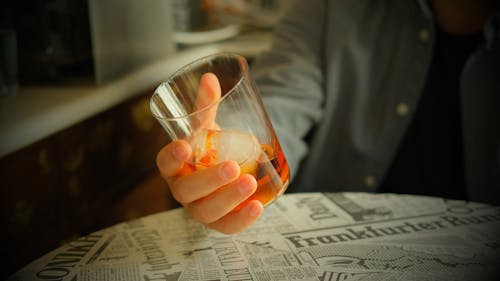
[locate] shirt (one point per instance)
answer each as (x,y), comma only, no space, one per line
(342,82)
(429,160)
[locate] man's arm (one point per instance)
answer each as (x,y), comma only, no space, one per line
(290,76)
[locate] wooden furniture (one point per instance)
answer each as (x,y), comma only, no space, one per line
(93,174)
(77,159)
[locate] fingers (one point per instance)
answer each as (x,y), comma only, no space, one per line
(240,220)
(214,195)
(208,94)
(171,158)
(203,182)
(209,91)
(222,201)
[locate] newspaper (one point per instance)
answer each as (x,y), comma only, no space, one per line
(303,236)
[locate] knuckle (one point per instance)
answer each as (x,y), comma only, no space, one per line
(180,194)
(201,215)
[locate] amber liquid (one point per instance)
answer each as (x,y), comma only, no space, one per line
(271,172)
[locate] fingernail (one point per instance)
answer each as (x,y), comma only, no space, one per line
(253,210)
(244,188)
(179,152)
(227,171)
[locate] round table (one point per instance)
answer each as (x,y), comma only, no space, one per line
(301,236)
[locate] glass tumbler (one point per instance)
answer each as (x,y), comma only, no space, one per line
(232,127)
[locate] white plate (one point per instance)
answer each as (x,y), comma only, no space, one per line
(208,36)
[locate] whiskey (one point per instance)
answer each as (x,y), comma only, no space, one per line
(266,162)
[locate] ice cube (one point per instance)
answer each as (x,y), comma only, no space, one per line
(214,146)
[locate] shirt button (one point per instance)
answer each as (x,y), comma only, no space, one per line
(423,36)
(402,109)
(370,182)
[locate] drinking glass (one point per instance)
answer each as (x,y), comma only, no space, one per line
(234,127)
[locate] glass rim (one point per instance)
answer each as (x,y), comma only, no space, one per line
(192,64)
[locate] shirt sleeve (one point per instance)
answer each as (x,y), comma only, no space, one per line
(290,77)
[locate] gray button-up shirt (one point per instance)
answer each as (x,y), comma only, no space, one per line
(343,80)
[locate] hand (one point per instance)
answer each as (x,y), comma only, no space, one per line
(210,195)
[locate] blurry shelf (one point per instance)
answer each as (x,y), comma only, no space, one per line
(37,112)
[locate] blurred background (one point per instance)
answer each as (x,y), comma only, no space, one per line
(77,139)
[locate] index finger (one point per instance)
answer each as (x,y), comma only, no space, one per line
(209,93)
